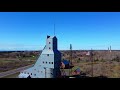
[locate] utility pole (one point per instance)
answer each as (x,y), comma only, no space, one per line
(110,57)
(70,61)
(91,58)
(110,48)
(71,53)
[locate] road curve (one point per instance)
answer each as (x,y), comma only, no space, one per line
(3,74)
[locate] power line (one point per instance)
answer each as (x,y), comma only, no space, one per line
(54,29)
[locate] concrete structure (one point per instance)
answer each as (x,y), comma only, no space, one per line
(48,63)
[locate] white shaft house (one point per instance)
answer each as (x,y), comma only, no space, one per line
(48,63)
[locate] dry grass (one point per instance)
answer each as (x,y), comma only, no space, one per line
(12,76)
(108,69)
(6,65)
(105,63)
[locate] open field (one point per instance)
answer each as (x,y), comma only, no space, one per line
(104,63)
(6,65)
(14,71)
(12,76)
(12,60)
(107,69)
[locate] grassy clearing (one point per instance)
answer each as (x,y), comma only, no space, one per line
(6,65)
(109,69)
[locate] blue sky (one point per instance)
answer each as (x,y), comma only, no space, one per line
(84,30)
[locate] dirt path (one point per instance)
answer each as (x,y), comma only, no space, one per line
(3,74)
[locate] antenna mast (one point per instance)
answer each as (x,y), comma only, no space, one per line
(91,57)
(54,29)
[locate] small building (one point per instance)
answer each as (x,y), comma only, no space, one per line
(76,70)
(88,53)
(65,64)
